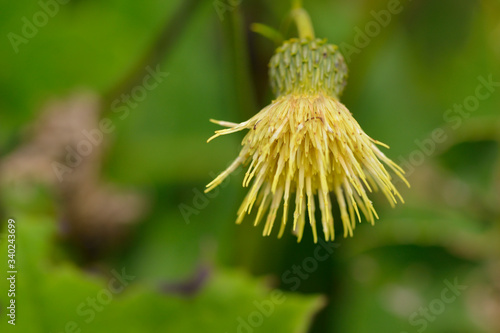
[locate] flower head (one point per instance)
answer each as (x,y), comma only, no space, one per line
(306,144)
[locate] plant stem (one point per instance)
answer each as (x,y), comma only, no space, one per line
(267,32)
(159,49)
(296,4)
(302,21)
(234,29)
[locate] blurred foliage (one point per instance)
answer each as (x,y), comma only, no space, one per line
(426,60)
(58,297)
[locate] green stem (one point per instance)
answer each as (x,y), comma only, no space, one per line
(296,4)
(234,28)
(267,32)
(302,21)
(159,49)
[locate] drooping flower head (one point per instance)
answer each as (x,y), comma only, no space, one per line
(306,144)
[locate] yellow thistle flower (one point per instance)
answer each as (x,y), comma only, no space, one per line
(306,142)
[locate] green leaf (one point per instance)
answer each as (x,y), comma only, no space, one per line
(59,297)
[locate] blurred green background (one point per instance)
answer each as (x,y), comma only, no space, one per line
(134,206)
